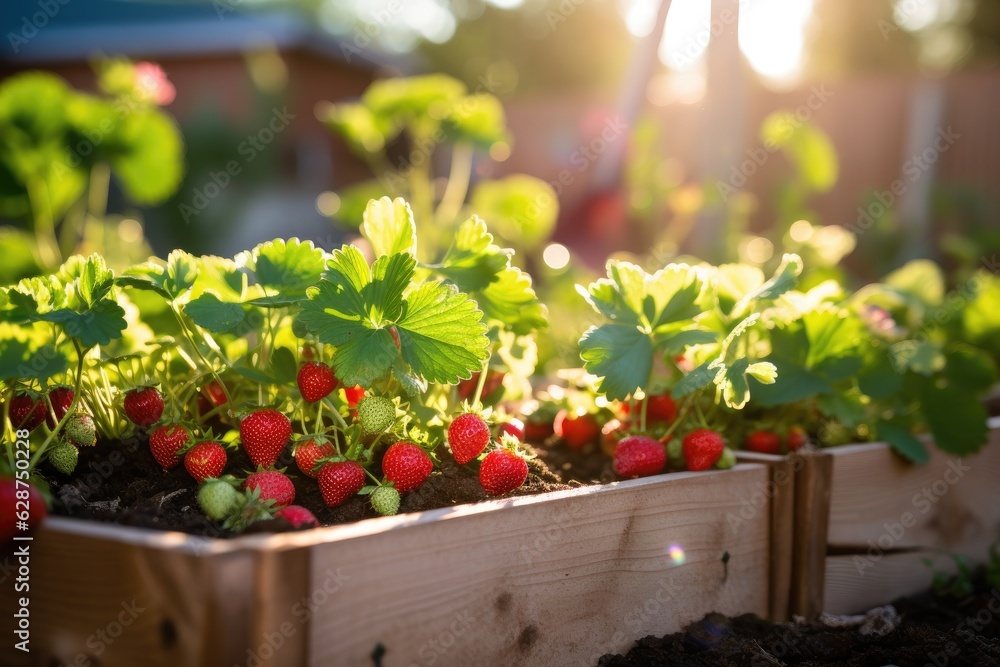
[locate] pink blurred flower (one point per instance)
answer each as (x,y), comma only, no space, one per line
(153,83)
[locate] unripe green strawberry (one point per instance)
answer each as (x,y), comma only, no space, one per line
(80,430)
(385,500)
(63,457)
(727,460)
(218,499)
(376,414)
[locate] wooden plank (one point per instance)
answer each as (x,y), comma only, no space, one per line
(781,494)
(95,600)
(880,500)
(855,584)
(812,510)
(555,579)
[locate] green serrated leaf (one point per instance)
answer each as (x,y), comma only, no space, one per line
(411,383)
(785,278)
(956,417)
(512,301)
(796,384)
(146,276)
(902,441)
(763,371)
(675,342)
(182,271)
(731,382)
(442,335)
(99,325)
(473,261)
(700,377)
(290,266)
(388,225)
(621,355)
(24,356)
(208,312)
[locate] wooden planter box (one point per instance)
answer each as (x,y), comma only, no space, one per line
(865,522)
(555,579)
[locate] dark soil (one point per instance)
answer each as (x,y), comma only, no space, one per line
(931,631)
(120,482)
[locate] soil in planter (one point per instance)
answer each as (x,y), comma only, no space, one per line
(120,482)
(930,631)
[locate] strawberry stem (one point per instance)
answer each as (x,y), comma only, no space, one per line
(479,385)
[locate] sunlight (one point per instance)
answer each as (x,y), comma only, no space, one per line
(772,36)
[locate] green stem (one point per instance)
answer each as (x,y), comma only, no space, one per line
(458,184)
(336,415)
(197,350)
(479,385)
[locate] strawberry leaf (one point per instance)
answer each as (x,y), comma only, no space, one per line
(956,417)
(182,271)
(388,225)
(904,442)
(441,333)
(208,312)
(147,276)
(621,355)
(289,266)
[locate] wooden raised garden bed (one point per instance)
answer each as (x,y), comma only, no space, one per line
(867,521)
(553,579)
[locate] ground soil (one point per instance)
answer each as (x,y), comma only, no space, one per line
(120,482)
(932,631)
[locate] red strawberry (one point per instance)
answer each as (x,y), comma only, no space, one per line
(764,442)
(797,438)
(215,394)
(576,430)
(406,465)
(298,516)
(265,433)
(27,411)
(273,485)
(339,482)
(466,388)
(13,509)
(164,443)
(60,398)
(308,353)
(206,459)
(639,456)
(502,471)
(395,336)
(354,395)
(316,380)
(144,406)
(308,452)
(468,436)
(513,427)
(661,409)
(702,448)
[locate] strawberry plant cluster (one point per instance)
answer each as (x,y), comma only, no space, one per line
(696,360)
(363,369)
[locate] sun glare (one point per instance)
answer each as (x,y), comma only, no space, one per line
(771,33)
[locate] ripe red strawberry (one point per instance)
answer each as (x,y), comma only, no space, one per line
(513,427)
(61,398)
(406,465)
(797,438)
(264,434)
(339,482)
(144,406)
(12,508)
(27,411)
(468,436)
(639,456)
(206,459)
(502,471)
(354,395)
(273,485)
(165,441)
(298,516)
(316,380)
(702,448)
(763,442)
(576,430)
(215,394)
(537,428)
(308,452)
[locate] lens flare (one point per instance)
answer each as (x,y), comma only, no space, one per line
(676,554)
